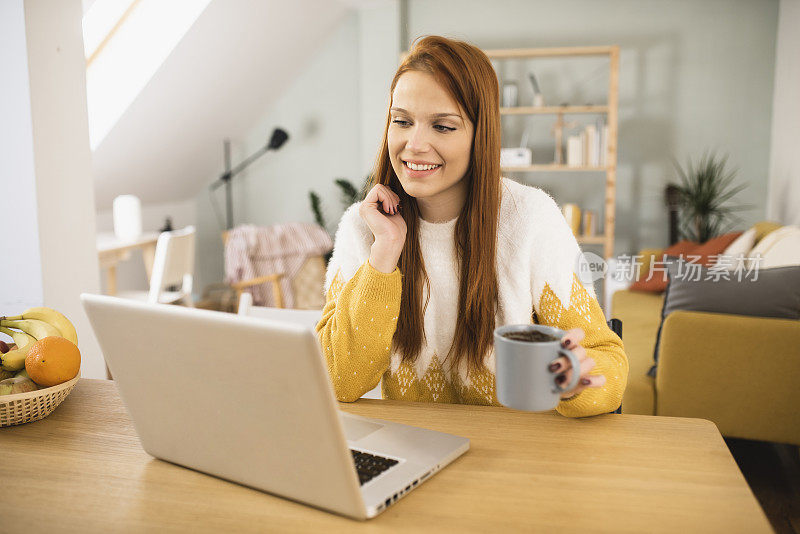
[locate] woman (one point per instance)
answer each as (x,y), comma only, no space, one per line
(442,250)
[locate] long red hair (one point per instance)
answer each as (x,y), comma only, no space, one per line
(466,74)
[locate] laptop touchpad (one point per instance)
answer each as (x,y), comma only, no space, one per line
(356,428)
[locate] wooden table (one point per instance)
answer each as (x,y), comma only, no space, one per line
(111,251)
(82,469)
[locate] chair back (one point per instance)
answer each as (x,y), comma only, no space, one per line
(616,326)
(307,318)
(173,264)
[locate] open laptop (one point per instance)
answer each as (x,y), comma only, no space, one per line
(249,400)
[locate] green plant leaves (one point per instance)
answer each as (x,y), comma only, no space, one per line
(704,193)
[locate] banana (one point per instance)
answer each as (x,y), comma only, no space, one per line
(33,327)
(20,338)
(49,315)
(14,360)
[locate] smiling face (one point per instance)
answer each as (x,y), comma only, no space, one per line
(430,145)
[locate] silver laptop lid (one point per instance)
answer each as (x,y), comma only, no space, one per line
(248,400)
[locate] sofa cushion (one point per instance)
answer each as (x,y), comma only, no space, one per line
(742,245)
(709,251)
(760,292)
(739,372)
(756,293)
(646,258)
(737,254)
(704,253)
(780,248)
(640,314)
(654,280)
(764,228)
(745,242)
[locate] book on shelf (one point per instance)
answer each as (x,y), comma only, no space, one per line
(574,151)
(588,147)
(591,149)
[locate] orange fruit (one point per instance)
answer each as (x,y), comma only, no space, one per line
(53,360)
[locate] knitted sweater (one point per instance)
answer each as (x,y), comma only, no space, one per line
(536,262)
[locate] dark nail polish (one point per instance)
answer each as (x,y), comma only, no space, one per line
(554,367)
(565,344)
(585,381)
(561,379)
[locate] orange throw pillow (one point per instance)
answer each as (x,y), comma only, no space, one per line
(646,259)
(707,252)
(655,281)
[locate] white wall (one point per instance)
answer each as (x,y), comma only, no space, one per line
(695,75)
(53,160)
(784,186)
(320,111)
(232,64)
(21,287)
(378,43)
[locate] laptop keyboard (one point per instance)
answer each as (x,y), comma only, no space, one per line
(368,466)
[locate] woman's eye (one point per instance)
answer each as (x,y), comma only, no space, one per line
(443,128)
(400,122)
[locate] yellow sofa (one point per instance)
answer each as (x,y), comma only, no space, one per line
(742,373)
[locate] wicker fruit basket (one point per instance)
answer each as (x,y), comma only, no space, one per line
(34,405)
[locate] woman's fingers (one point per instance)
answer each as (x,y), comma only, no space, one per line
(585,382)
(570,341)
(394,200)
(562,366)
(392,194)
(387,192)
(379,211)
(587,364)
(383,199)
(386,198)
(389,199)
(558,365)
(572,338)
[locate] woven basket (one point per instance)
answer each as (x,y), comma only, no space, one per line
(34,405)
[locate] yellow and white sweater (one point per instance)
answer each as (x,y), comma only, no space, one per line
(537,256)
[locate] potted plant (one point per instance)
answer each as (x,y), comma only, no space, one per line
(348,195)
(703,193)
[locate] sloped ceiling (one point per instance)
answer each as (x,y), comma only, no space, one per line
(224,74)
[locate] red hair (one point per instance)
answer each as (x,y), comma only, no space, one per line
(466,74)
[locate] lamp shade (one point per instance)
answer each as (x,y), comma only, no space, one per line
(127,217)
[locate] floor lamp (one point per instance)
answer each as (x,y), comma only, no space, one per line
(278,138)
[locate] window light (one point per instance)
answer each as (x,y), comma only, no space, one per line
(138,35)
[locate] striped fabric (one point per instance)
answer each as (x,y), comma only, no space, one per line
(252,251)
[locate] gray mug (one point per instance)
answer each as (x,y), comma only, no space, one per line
(524,380)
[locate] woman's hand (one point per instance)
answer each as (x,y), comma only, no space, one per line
(380,210)
(571,341)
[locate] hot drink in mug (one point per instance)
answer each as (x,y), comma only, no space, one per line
(523,354)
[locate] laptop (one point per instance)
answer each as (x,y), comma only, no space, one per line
(249,400)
